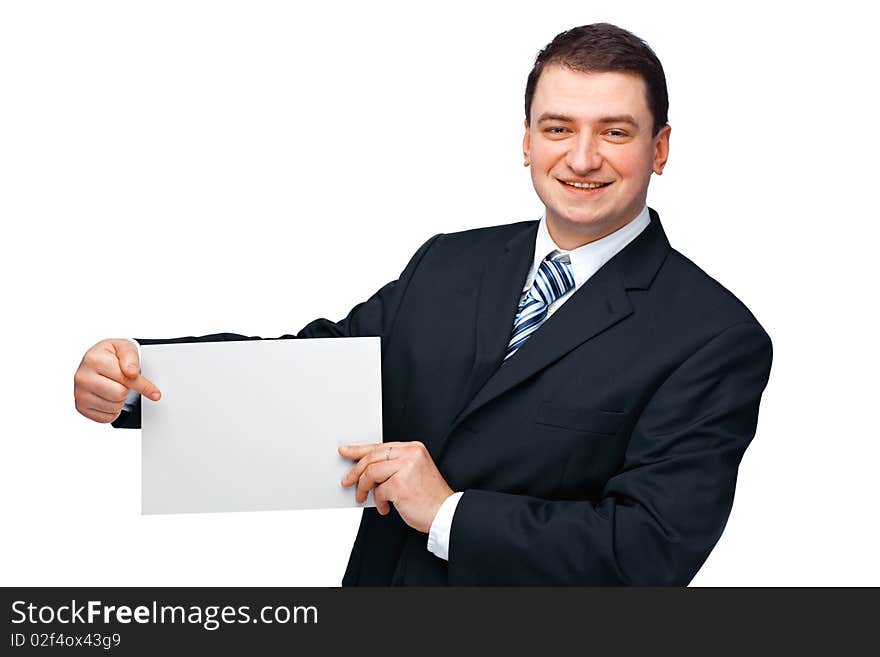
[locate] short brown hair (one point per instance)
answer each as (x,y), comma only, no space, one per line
(604,48)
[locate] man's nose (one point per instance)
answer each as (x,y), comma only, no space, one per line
(584,155)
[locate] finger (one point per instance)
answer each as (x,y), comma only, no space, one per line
(374,474)
(357,452)
(382,498)
(126,370)
(108,367)
(144,386)
(138,382)
(351,477)
(105,388)
(127,355)
(363,456)
(381,452)
(92,401)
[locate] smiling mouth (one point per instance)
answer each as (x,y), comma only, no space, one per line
(585,185)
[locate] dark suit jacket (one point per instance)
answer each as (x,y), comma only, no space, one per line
(604,452)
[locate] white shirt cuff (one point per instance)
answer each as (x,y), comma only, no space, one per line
(133,395)
(438,537)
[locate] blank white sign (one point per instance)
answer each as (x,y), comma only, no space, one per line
(254,425)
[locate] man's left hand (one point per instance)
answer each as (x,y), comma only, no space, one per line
(404,474)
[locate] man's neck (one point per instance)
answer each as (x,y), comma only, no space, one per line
(571,239)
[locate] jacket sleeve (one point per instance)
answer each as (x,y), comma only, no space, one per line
(373,317)
(659,517)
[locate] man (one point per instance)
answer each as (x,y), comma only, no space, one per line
(564,402)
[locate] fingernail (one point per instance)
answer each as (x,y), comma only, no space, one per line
(155,396)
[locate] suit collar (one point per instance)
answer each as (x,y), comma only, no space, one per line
(639,262)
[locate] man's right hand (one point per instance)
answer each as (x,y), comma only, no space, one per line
(107,372)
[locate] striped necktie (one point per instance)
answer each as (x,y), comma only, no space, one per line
(553,280)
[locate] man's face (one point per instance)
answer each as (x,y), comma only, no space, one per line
(591,150)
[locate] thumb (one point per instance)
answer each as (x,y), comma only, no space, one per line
(127,355)
(129,363)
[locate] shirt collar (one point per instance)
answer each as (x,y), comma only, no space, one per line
(586,260)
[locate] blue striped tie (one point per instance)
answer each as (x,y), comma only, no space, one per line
(553,280)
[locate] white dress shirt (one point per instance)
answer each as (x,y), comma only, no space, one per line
(585,261)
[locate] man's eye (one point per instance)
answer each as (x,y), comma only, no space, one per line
(616,133)
(556,130)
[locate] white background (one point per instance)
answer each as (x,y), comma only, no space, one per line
(181,168)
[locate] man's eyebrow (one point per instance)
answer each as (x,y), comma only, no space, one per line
(618,118)
(549,116)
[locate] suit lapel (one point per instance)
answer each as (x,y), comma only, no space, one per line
(599,304)
(500,290)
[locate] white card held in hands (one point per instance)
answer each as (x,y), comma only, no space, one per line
(255,425)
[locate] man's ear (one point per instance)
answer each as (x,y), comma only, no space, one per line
(526,146)
(661,149)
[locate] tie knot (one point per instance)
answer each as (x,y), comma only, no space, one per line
(554,278)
